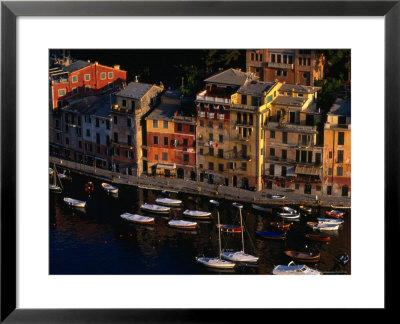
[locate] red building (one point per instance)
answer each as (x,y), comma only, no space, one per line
(81,79)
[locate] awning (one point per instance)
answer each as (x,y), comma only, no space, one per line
(314,171)
(166,166)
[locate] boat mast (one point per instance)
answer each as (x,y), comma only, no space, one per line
(241,225)
(219,235)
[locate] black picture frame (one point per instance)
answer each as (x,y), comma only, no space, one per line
(10,10)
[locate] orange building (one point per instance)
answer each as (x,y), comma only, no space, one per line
(286,65)
(337,150)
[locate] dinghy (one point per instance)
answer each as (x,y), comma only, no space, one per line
(280,225)
(271,235)
(323,227)
(155,208)
(334,213)
(182,224)
(293,269)
(303,256)
(330,221)
(168,201)
(109,188)
(261,209)
(74,202)
(139,219)
(197,214)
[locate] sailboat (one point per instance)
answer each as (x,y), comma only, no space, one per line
(54,187)
(216,262)
(239,256)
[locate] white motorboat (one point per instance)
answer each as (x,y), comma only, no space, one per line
(109,188)
(168,201)
(155,208)
(239,256)
(182,224)
(288,215)
(135,218)
(330,221)
(197,214)
(323,227)
(74,202)
(216,262)
(293,269)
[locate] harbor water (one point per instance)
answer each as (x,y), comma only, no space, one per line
(96,240)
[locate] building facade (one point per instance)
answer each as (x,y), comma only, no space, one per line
(290,66)
(337,150)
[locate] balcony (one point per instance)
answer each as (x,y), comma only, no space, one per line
(202,114)
(210,99)
(237,106)
(210,115)
(280,65)
(221,116)
(295,128)
(242,138)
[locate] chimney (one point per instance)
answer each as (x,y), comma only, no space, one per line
(116,67)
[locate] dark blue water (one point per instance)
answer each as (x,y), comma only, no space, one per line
(97,241)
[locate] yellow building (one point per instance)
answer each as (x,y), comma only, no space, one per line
(249,107)
(337,150)
(293,150)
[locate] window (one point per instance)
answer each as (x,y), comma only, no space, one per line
(165,140)
(155,123)
(185,142)
(110,75)
(303,156)
(102,75)
(129,154)
(74,78)
(318,188)
(308,61)
(272,152)
(107,124)
(292,117)
(97,138)
(128,122)
(297,156)
(300,60)
(283,171)
(201,151)
(129,140)
(115,120)
(269,98)
(329,171)
(123,102)
(220,153)
(271,134)
(317,158)
(201,123)
(211,151)
(284,137)
(210,124)
(87,77)
(340,156)
(220,126)
(116,137)
(210,165)
(252,56)
(341,138)
(88,132)
(61,92)
(155,139)
(191,128)
(239,118)
(97,122)
(272,58)
(186,157)
(330,154)
(244,100)
(67,141)
(80,144)
(179,127)
(164,156)
(165,124)
(220,138)
(210,136)
(339,171)
(87,88)
(220,167)
(156,157)
(329,190)
(284,154)
(309,156)
(271,169)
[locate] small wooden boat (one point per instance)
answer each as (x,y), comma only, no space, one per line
(334,213)
(323,227)
(155,208)
(74,202)
(139,219)
(318,237)
(305,209)
(230,228)
(330,221)
(182,224)
(303,256)
(109,188)
(271,235)
(238,256)
(276,196)
(280,225)
(168,201)
(293,269)
(197,214)
(261,209)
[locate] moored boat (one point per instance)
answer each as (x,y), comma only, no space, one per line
(238,256)
(305,209)
(230,228)
(330,221)
(271,235)
(155,208)
(276,196)
(280,225)
(197,214)
(293,269)
(135,218)
(323,227)
(109,188)
(168,201)
(288,215)
(304,256)
(340,207)
(74,202)
(182,224)
(318,237)
(334,213)
(261,208)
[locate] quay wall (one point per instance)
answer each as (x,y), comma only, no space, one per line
(200,188)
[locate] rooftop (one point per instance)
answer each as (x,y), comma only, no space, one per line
(77,65)
(298,88)
(101,107)
(135,90)
(256,87)
(229,77)
(340,107)
(81,105)
(289,101)
(164,112)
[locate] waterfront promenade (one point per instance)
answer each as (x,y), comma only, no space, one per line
(202,188)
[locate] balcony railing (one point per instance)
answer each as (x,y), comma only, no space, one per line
(210,115)
(291,127)
(280,65)
(221,116)
(202,97)
(243,107)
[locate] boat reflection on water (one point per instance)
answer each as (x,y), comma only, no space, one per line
(221,271)
(185,231)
